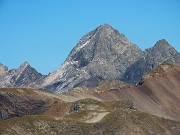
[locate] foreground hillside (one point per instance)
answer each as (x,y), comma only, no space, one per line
(95,118)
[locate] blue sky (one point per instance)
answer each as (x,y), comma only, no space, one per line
(43,32)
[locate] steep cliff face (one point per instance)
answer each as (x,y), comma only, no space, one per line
(101,54)
(21,77)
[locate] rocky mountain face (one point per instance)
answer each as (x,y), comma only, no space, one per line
(105,54)
(21,77)
(102,54)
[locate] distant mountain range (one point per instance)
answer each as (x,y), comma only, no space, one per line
(102,54)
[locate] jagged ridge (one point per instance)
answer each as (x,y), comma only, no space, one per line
(24,76)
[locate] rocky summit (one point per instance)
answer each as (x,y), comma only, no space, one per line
(105,54)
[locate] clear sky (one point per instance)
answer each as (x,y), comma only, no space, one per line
(43,32)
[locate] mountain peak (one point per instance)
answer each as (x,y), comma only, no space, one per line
(160,46)
(162,43)
(161,52)
(107,31)
(25,64)
(106,26)
(26,75)
(99,34)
